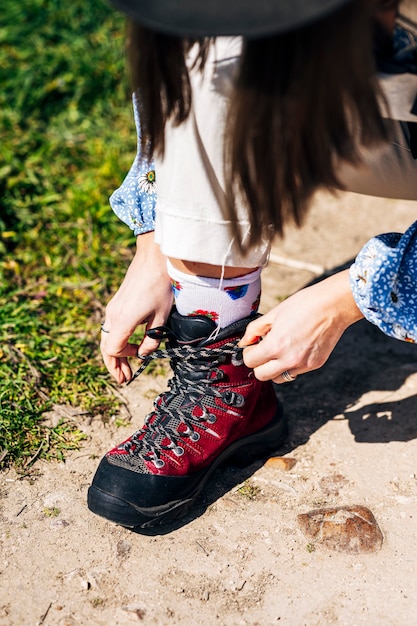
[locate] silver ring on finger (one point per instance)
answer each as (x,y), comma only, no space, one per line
(287,377)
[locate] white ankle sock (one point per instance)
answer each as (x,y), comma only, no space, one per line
(223,300)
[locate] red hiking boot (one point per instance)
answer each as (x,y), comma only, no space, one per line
(215,411)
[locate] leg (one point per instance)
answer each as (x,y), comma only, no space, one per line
(226,295)
(215,411)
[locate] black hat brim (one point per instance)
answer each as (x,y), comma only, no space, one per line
(204,18)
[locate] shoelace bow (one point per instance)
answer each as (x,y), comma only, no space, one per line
(147,443)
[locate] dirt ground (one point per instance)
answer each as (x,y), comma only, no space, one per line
(241,558)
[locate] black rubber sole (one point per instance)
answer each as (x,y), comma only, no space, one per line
(242,453)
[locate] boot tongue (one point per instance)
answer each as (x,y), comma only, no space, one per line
(189,329)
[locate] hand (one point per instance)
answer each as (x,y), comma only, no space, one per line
(145,296)
(299,334)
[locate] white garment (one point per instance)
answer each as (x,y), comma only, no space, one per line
(190,224)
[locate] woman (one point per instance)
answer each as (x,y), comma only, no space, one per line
(243,132)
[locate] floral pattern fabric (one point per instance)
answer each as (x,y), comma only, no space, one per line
(384,283)
(135,200)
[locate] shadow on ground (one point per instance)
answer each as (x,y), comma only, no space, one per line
(364,361)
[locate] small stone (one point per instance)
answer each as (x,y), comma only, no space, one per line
(57,524)
(123,549)
(281,462)
(331,485)
(136,609)
(351,529)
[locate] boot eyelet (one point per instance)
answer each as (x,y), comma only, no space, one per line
(158,463)
(237,359)
(211,418)
(233,399)
(195,436)
(178,451)
(240,400)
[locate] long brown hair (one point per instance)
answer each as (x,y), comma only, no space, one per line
(303,102)
(159,76)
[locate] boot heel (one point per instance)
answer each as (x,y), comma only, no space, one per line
(247,456)
(262,444)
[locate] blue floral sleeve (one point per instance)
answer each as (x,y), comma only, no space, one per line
(134,201)
(383,279)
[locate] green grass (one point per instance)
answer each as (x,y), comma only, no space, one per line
(66,141)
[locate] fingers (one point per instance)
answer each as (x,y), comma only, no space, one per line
(115,349)
(285,377)
(118,368)
(262,356)
(149,344)
(255,330)
(256,354)
(116,342)
(268,368)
